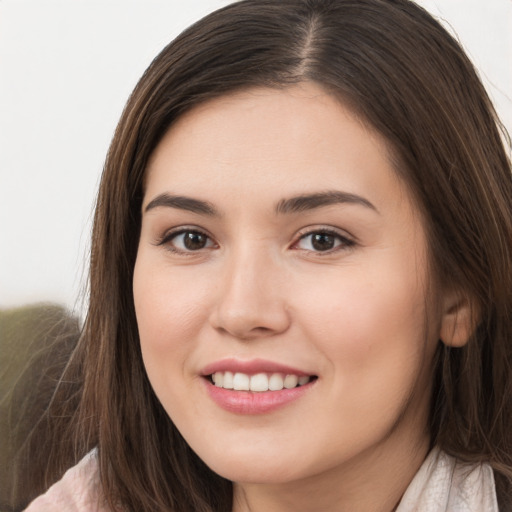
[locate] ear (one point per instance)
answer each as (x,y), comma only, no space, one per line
(459,319)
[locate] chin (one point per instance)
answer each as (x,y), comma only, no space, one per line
(256,468)
(242,472)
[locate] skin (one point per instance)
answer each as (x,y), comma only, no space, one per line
(353,315)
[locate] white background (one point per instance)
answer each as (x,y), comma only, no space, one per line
(66,70)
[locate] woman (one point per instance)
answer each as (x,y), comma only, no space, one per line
(300,275)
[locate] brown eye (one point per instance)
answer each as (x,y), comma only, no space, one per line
(193,241)
(187,240)
(323,241)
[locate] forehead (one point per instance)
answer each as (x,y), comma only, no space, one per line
(267,142)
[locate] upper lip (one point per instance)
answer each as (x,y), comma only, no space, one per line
(251,367)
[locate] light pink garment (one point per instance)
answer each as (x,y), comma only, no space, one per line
(444,484)
(79,490)
(441,485)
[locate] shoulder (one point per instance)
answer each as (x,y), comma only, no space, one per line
(444,483)
(79,490)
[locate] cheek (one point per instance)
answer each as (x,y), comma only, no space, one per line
(363,308)
(171,311)
(371,327)
(167,304)
(371,332)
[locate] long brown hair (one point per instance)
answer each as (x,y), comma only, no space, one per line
(398,69)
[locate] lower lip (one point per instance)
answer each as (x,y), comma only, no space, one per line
(250,402)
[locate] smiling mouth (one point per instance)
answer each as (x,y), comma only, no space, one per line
(259,382)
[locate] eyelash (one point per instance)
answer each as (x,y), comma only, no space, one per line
(344,242)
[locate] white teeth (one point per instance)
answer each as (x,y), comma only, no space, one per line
(228,380)
(291,381)
(276,382)
(218,379)
(259,382)
(304,379)
(241,382)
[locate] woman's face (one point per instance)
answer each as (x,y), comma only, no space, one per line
(280,250)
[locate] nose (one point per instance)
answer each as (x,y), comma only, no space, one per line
(251,300)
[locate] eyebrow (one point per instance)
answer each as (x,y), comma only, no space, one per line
(311,201)
(182,203)
(295,204)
